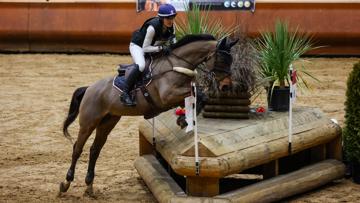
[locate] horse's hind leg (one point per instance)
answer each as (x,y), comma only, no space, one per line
(102,132)
(86,128)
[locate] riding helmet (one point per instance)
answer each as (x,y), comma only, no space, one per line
(166,10)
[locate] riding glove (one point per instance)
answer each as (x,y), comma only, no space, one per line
(166,50)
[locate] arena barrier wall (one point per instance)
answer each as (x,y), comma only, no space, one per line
(106,26)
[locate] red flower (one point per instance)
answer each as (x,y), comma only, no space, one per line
(180,111)
(260,109)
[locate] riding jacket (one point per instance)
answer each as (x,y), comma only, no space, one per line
(151,33)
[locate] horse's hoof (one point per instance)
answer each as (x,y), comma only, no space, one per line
(64,187)
(89,192)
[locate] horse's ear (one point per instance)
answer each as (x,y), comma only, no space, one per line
(222,43)
(233,42)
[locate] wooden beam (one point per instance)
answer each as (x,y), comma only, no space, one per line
(225,115)
(290,184)
(202,186)
(157,179)
(334,149)
(223,108)
(271,169)
(228,101)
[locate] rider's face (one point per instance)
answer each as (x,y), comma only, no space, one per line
(168,22)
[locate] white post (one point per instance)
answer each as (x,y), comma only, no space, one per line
(290,109)
(195,131)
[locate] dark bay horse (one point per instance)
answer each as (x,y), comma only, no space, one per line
(98,106)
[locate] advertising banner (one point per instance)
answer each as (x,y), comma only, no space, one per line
(181,5)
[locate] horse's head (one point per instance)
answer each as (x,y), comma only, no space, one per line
(193,50)
(178,68)
(219,62)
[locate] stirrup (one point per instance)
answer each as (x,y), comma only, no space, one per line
(128,101)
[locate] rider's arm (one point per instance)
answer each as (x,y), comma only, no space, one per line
(147,48)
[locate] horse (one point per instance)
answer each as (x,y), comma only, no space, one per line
(98,106)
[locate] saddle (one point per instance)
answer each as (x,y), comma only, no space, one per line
(123,72)
(142,82)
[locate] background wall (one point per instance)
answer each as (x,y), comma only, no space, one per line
(106,26)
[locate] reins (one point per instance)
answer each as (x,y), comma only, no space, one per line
(186,71)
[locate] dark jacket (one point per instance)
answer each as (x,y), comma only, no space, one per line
(139,35)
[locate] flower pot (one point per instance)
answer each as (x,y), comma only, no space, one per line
(356,172)
(279,100)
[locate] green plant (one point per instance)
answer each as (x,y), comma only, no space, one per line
(278,50)
(351,131)
(197,21)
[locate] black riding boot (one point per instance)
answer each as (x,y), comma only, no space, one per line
(130,82)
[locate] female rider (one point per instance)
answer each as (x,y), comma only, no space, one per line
(146,40)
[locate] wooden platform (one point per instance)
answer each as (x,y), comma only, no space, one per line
(230,148)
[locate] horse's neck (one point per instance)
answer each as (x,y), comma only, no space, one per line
(173,87)
(194,53)
(187,56)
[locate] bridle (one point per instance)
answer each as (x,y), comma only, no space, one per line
(210,73)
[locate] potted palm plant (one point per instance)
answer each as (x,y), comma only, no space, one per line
(277,51)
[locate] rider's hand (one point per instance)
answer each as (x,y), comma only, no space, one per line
(166,50)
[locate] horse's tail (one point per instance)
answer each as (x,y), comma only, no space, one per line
(74,109)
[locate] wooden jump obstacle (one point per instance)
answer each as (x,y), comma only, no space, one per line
(233,151)
(227,105)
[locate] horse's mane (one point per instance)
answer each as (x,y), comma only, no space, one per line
(192,38)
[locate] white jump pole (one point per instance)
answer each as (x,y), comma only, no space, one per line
(290,109)
(195,130)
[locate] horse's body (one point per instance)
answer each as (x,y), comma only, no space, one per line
(99,107)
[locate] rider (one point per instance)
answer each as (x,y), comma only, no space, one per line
(147,40)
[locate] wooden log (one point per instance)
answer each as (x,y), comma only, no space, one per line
(198,200)
(239,95)
(228,101)
(162,186)
(225,115)
(290,184)
(166,190)
(227,108)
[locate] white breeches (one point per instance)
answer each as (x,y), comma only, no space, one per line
(137,55)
